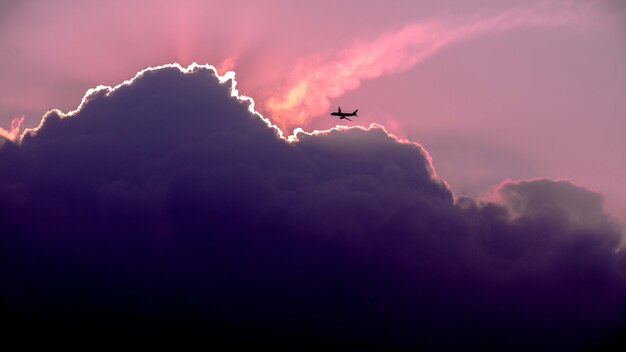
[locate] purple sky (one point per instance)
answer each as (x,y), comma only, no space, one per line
(494,90)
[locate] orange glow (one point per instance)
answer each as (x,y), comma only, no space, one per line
(226,65)
(14,131)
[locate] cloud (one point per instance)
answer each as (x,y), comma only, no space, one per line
(14,131)
(311,86)
(166,204)
(546,199)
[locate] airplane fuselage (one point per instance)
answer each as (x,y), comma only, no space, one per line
(344,115)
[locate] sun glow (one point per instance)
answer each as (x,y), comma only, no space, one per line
(13,132)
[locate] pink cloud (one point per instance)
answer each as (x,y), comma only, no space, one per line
(307,94)
(226,65)
(14,131)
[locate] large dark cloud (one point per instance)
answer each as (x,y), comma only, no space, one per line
(165,205)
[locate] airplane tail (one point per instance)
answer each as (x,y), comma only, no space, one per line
(354,113)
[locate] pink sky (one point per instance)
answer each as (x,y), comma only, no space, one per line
(492,89)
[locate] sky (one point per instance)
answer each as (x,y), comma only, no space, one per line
(485,107)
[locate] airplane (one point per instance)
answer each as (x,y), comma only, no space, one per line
(343,115)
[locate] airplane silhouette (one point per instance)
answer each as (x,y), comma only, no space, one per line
(343,115)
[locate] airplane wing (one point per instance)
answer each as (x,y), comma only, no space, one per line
(347,119)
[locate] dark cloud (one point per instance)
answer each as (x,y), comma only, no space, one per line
(165,205)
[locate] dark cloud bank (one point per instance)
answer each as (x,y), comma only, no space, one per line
(167,209)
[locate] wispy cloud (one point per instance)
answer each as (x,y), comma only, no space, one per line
(307,94)
(14,131)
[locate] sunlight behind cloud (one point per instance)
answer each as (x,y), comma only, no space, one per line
(14,131)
